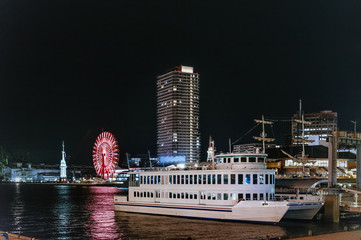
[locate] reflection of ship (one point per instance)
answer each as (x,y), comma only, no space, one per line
(235,187)
(141,226)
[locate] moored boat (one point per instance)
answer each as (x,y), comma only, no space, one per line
(235,187)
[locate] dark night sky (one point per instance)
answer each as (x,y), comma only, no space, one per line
(69,69)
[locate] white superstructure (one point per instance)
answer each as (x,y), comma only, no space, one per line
(239,188)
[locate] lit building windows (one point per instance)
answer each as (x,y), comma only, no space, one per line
(178,111)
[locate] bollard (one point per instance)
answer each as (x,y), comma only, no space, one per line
(309,232)
(267,237)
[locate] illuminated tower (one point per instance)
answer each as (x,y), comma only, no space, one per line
(63,166)
(178,136)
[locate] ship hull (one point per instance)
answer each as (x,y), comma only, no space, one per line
(252,211)
(303,210)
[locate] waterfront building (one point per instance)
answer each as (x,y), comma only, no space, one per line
(315,164)
(251,147)
(20,172)
(178,135)
(63,177)
(141,160)
(321,127)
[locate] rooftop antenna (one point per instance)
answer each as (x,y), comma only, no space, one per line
(126,154)
(263,135)
(230,145)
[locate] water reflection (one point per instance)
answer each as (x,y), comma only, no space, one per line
(141,226)
(17,209)
(62,210)
(84,212)
(101,223)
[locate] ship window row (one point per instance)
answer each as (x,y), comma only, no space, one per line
(208,195)
(241,159)
(210,179)
(183,195)
(236,196)
(143,194)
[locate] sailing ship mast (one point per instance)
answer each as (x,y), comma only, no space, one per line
(263,135)
(303,140)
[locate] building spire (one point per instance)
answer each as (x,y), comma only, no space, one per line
(63,166)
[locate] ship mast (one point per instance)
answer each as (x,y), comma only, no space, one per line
(263,135)
(303,140)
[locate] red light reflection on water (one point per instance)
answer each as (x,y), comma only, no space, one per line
(101,223)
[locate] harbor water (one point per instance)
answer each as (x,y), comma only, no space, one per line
(48,211)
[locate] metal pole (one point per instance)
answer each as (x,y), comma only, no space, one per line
(126,154)
(332,160)
(230,146)
(263,136)
(358,166)
(354,128)
(303,144)
(150,161)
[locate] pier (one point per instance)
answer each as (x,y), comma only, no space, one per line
(332,199)
(351,235)
(12,236)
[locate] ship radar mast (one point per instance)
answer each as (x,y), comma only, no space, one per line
(210,151)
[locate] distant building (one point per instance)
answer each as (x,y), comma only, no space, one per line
(141,160)
(315,164)
(178,135)
(63,177)
(321,127)
(19,172)
(252,147)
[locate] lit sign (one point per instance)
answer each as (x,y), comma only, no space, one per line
(187,69)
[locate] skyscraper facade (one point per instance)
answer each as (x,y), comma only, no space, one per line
(178,135)
(321,127)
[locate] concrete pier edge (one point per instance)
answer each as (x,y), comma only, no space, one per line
(11,236)
(349,235)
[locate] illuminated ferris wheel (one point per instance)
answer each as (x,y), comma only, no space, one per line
(105,155)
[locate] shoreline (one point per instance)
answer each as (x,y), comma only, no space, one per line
(70,184)
(349,235)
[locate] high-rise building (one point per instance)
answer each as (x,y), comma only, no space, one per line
(178,136)
(321,127)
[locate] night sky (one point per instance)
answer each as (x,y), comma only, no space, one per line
(70,69)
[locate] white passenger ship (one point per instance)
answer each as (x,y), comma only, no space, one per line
(236,187)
